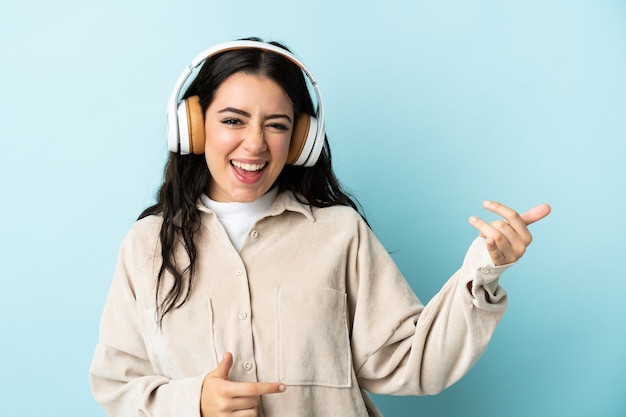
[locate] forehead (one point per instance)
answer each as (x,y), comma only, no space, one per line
(244,86)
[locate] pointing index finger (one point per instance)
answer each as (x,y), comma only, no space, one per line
(269,387)
(248,389)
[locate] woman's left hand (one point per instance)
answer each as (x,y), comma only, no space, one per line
(508,239)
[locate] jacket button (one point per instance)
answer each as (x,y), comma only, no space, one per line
(247,365)
(243,315)
(254,234)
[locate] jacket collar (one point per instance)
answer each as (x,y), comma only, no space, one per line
(288,201)
(285,201)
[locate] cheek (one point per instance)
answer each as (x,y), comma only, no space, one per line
(211,163)
(219,142)
(216,151)
(281,148)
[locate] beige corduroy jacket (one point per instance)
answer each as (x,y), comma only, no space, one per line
(312,299)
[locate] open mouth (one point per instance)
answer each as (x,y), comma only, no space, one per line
(248,167)
(248,173)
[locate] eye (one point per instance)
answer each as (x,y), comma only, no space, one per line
(278,126)
(232,121)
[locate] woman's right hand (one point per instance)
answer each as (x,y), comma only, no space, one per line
(221,397)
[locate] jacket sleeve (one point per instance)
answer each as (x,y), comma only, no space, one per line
(123,379)
(402,347)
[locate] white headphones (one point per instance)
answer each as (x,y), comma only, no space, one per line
(185,119)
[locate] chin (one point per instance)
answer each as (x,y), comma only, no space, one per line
(246,197)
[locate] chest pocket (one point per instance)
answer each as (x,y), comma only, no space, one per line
(313,342)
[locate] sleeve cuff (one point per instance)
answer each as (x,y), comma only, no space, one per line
(484,277)
(179,397)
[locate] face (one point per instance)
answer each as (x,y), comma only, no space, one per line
(248,130)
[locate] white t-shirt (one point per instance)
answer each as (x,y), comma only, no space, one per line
(237,218)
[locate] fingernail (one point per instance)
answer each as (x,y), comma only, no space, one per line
(473,219)
(281,388)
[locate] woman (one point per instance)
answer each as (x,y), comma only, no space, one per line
(254,286)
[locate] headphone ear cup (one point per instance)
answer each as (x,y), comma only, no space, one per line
(195,120)
(299,137)
(302,140)
(191,126)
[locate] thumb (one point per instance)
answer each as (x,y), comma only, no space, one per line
(223,369)
(536,213)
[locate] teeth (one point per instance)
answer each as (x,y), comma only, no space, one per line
(248,167)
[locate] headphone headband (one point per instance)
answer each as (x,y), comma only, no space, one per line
(312,149)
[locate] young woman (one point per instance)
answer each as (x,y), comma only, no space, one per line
(255,287)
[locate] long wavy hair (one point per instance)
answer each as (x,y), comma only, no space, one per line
(186,176)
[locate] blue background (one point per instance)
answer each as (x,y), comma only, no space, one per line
(431,108)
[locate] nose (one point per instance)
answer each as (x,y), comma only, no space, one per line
(254,139)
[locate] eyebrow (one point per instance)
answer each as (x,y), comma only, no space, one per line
(246,114)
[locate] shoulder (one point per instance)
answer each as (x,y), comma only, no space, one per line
(344,214)
(343,223)
(289,201)
(146,227)
(143,235)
